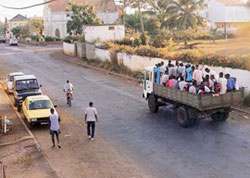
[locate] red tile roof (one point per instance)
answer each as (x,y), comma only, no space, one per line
(100,5)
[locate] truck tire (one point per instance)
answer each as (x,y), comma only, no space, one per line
(183,118)
(152,104)
(220,116)
(193,116)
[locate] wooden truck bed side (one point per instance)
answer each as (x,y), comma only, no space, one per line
(200,102)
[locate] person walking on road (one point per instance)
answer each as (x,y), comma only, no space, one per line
(90,119)
(54,127)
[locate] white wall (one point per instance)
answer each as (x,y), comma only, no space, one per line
(69,49)
(104,32)
(102,55)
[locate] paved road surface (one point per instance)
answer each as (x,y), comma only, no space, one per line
(154,142)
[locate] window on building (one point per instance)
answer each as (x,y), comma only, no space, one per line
(57,33)
(111,28)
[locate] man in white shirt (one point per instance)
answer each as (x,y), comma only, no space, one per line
(223,84)
(90,119)
(164,78)
(210,72)
(193,88)
(181,70)
(163,68)
(182,83)
(68,87)
(197,75)
(54,127)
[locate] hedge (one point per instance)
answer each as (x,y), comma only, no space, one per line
(191,57)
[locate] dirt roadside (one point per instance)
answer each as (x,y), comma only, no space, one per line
(21,159)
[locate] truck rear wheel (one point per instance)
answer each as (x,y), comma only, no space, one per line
(193,116)
(220,116)
(183,118)
(153,104)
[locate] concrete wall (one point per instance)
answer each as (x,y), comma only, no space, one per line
(90,51)
(137,63)
(104,32)
(103,55)
(69,49)
(81,49)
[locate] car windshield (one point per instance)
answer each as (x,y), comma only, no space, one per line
(26,84)
(40,104)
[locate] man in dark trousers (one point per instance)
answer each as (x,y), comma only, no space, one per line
(90,119)
(54,127)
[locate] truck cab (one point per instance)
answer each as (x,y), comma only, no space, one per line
(148,80)
(24,86)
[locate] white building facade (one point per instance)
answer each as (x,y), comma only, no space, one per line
(227,15)
(55,15)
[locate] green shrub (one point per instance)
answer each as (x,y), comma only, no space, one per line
(68,39)
(35,37)
(81,39)
(144,38)
(57,39)
(49,38)
(130,40)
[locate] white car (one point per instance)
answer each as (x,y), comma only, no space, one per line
(13,41)
(10,80)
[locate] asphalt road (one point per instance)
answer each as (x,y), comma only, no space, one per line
(153,141)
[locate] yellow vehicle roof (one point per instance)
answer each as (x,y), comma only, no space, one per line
(38,97)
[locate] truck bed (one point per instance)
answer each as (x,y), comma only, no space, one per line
(201,102)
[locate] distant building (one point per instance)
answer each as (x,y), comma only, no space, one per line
(227,15)
(55,15)
(18,20)
(103,32)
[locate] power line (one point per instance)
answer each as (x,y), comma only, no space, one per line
(21,8)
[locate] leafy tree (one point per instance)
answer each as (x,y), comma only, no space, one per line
(80,14)
(214,33)
(184,14)
(16,31)
(133,21)
(5,26)
(139,4)
(1,28)
(152,26)
(160,9)
(25,31)
(36,25)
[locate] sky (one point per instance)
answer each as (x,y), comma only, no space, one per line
(9,13)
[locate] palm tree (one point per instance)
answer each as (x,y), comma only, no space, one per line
(185,14)
(160,9)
